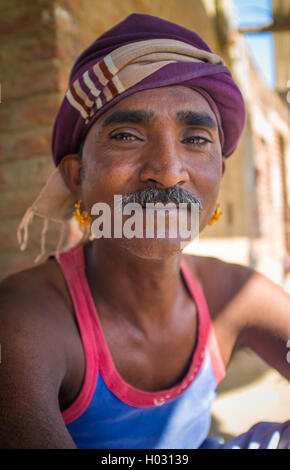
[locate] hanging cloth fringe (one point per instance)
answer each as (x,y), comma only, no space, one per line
(55,202)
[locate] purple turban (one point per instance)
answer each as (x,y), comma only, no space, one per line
(115,66)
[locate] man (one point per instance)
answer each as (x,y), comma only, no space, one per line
(120,341)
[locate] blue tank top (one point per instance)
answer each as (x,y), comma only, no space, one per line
(109,413)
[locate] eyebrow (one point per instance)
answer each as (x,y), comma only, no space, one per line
(192,118)
(138,116)
(141,116)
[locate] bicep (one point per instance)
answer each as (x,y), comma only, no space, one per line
(266,322)
(31,372)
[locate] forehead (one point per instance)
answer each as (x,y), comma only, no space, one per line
(162,101)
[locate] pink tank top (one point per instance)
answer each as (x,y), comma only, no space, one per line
(110,413)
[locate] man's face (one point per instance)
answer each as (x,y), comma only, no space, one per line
(159,138)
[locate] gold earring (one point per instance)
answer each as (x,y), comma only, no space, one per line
(82,217)
(217,214)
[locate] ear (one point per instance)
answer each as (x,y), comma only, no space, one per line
(69,167)
(223,164)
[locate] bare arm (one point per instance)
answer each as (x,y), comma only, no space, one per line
(248,310)
(266,321)
(32,368)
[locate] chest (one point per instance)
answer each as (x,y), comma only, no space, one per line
(147,362)
(154,361)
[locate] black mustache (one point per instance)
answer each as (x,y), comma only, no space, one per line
(173,194)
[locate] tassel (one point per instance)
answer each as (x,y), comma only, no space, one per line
(26,220)
(86,234)
(60,240)
(43,240)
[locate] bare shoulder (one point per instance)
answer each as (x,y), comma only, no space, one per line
(34,322)
(37,293)
(247,309)
(34,312)
(224,287)
(237,294)
(221,281)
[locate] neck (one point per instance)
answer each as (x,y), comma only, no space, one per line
(145,292)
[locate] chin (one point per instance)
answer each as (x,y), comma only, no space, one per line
(154,248)
(157,239)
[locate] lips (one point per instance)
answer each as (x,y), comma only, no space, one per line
(162,207)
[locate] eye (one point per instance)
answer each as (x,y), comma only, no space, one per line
(124,136)
(197,140)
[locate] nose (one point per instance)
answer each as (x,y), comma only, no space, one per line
(163,163)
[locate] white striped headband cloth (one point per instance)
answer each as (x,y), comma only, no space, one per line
(125,67)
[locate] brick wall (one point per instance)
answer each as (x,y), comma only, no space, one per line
(269,124)
(30,96)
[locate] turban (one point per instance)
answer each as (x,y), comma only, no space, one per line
(144,52)
(141,52)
